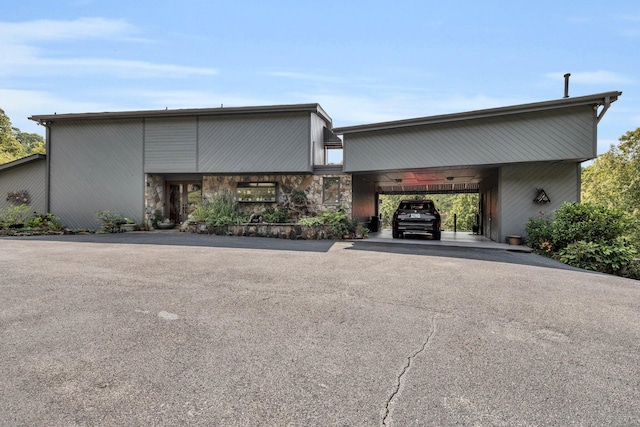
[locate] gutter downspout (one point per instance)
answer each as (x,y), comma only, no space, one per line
(47,180)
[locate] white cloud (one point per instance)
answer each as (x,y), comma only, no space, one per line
(21,52)
(49,30)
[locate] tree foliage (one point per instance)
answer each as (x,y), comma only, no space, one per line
(465,206)
(613,180)
(10,147)
(589,236)
(15,144)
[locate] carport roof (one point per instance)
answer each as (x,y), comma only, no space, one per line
(597,100)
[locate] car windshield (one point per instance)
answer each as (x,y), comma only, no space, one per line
(420,206)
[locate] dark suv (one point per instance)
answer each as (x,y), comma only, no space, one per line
(416,217)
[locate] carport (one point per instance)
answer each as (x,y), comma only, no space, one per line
(511,156)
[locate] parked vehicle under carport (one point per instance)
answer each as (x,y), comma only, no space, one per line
(416,217)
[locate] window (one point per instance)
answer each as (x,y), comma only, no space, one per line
(333,155)
(331,191)
(256,192)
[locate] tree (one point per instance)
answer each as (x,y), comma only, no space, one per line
(465,208)
(613,180)
(32,143)
(10,147)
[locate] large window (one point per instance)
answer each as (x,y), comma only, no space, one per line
(263,192)
(331,191)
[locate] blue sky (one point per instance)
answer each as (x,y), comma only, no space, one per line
(363,61)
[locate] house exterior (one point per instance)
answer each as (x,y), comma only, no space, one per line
(147,162)
(522,160)
(24,180)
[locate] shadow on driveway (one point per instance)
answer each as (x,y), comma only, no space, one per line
(204,240)
(480,254)
(189,239)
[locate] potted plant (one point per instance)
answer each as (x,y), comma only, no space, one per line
(128,225)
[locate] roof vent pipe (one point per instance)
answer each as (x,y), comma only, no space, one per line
(566,85)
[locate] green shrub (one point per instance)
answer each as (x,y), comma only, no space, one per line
(15,215)
(540,235)
(109,221)
(276,215)
(221,210)
(341,224)
(575,221)
(609,258)
(632,270)
(48,220)
(310,221)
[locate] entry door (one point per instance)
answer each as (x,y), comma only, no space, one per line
(183,198)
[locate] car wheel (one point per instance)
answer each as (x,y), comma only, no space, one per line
(395,233)
(437,235)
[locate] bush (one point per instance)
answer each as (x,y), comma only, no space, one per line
(110,221)
(221,210)
(574,222)
(540,235)
(14,216)
(48,220)
(338,219)
(588,236)
(598,256)
(277,215)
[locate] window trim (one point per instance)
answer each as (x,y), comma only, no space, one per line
(325,200)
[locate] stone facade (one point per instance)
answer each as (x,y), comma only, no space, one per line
(215,185)
(154,196)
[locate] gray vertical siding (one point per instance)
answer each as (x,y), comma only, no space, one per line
(30,177)
(518,184)
(255,144)
(542,136)
(96,166)
(170,145)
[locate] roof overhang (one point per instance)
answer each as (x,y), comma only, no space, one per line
(23,161)
(187,112)
(596,101)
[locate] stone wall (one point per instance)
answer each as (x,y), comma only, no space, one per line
(154,196)
(278,231)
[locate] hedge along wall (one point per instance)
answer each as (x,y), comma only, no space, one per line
(215,185)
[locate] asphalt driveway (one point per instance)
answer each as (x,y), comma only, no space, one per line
(150,329)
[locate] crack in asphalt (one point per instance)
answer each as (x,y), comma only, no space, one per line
(406,367)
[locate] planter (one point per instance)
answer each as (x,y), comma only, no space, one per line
(514,240)
(164,225)
(127,227)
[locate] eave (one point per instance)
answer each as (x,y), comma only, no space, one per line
(597,100)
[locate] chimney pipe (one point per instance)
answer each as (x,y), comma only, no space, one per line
(566,85)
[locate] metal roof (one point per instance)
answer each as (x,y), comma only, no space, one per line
(188,112)
(595,100)
(22,161)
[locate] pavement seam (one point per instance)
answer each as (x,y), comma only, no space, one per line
(406,367)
